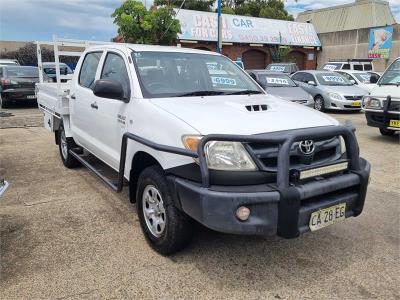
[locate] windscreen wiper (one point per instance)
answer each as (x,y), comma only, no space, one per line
(200,93)
(245,92)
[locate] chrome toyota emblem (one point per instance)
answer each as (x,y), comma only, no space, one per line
(307,147)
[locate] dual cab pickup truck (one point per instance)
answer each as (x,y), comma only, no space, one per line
(194,144)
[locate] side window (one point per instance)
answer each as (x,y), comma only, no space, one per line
(368,67)
(349,77)
(115,69)
(298,76)
(346,67)
(358,67)
(88,70)
(308,78)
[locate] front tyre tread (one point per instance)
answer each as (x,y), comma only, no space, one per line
(178,229)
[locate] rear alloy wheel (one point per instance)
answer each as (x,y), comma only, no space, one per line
(166,228)
(319,103)
(65,144)
(386,132)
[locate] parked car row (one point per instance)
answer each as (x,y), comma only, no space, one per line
(339,85)
(17,83)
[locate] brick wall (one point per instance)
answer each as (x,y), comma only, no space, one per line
(237,50)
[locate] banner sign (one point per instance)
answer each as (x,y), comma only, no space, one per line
(203,26)
(380,42)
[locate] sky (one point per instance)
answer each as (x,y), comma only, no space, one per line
(27,20)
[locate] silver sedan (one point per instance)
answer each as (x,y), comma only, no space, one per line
(330,90)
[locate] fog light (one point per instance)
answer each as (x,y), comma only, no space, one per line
(243,213)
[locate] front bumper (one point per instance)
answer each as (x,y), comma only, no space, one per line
(285,212)
(343,105)
(27,94)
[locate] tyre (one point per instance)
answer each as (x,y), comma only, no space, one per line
(167,229)
(319,103)
(64,145)
(3,103)
(386,132)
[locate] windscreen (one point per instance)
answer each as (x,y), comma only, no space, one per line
(51,70)
(170,74)
(363,77)
(22,71)
(333,79)
(392,75)
(276,80)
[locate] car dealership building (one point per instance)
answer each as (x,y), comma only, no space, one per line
(253,40)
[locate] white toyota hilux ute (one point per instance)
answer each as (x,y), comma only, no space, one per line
(196,144)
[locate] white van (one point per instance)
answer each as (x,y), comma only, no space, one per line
(349,64)
(382,105)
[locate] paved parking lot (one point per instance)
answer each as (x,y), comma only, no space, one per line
(64,235)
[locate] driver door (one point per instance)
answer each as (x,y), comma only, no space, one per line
(111,115)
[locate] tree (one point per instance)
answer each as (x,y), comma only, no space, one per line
(137,24)
(202,5)
(272,9)
(27,55)
(275,9)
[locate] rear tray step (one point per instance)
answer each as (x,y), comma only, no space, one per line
(108,175)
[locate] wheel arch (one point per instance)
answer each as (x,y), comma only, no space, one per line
(140,161)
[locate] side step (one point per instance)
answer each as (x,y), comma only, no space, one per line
(113,184)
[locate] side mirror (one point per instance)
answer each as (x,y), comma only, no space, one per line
(374,78)
(353,81)
(312,82)
(112,89)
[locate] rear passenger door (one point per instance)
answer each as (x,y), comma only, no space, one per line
(111,115)
(82,97)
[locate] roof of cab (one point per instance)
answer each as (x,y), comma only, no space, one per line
(153,48)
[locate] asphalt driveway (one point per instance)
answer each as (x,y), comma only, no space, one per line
(64,235)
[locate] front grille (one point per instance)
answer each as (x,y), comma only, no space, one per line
(353,98)
(394,105)
(26,84)
(325,151)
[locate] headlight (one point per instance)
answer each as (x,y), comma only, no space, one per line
(335,96)
(371,103)
(228,156)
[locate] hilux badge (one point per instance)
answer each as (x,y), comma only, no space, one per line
(307,147)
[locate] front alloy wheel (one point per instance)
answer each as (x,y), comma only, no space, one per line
(153,210)
(319,104)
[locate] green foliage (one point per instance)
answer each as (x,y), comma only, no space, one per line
(227,10)
(138,25)
(27,55)
(202,5)
(271,9)
(281,54)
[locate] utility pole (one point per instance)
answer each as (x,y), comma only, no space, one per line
(219,40)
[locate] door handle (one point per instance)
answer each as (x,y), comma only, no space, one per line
(94,105)
(73,96)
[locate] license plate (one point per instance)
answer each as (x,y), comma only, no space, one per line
(356,103)
(31,97)
(327,216)
(394,123)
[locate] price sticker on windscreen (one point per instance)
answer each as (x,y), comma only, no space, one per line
(278,68)
(333,79)
(365,78)
(330,67)
(280,81)
(223,80)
